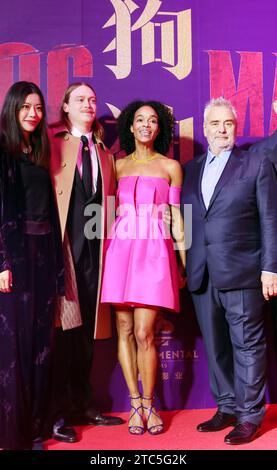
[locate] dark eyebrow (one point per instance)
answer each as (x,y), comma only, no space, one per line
(28,102)
(151,116)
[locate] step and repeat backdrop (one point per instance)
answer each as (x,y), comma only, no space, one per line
(180,52)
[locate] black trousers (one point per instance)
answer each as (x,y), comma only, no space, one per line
(232,324)
(273,308)
(72,392)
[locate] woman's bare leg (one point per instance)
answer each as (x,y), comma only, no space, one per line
(127,356)
(147,360)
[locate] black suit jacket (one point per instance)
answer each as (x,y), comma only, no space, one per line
(76,217)
(268,147)
(268,143)
(236,236)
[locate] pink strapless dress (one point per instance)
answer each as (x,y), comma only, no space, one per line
(140,266)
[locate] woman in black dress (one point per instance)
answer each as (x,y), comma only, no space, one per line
(31,269)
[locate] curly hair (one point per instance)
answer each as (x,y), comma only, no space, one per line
(165,121)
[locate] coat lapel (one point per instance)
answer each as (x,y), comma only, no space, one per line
(65,149)
(200,165)
(103,166)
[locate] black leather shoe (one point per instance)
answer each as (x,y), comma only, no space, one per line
(64,433)
(96,420)
(218,422)
(242,433)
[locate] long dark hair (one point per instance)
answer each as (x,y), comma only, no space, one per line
(11,135)
(165,121)
(96,127)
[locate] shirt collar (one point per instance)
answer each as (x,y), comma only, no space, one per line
(76,133)
(223,155)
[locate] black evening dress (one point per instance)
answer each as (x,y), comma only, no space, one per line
(30,247)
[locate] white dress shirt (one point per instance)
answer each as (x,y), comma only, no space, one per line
(214,167)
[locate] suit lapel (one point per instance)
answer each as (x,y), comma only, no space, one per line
(79,184)
(200,165)
(229,171)
(102,164)
(98,155)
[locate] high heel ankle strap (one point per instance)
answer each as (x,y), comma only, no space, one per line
(135,398)
(148,398)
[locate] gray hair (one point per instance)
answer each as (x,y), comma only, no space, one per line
(219,102)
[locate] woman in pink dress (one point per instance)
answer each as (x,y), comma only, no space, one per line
(140,274)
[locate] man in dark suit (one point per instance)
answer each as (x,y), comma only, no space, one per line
(231,268)
(82,171)
(268,147)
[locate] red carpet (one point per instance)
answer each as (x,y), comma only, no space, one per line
(180,434)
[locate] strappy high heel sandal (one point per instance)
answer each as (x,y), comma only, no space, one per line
(155,429)
(136,429)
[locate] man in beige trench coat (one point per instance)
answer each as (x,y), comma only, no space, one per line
(80,318)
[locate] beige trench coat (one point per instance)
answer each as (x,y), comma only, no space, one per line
(64,152)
